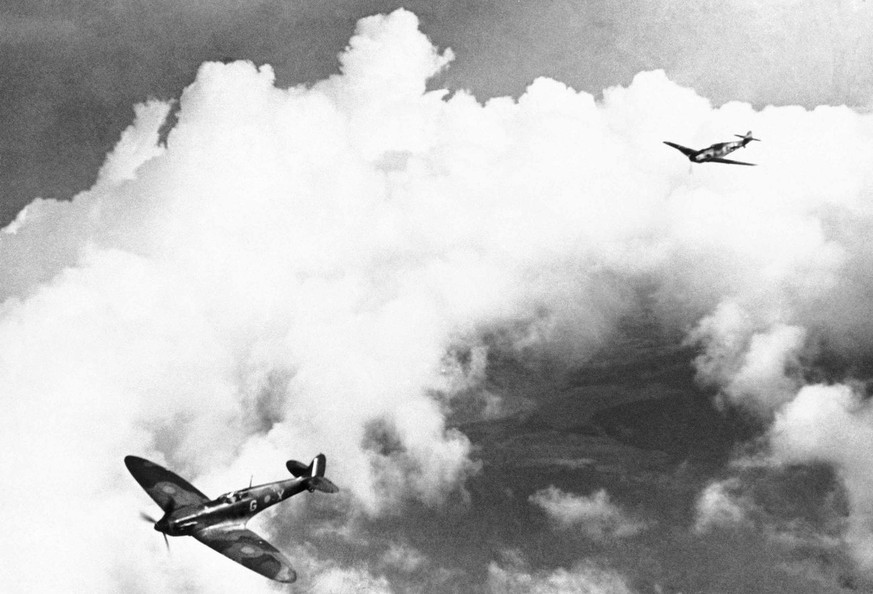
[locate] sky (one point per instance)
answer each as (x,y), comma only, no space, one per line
(71,72)
(445,246)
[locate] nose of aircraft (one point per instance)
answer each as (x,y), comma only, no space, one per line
(161,525)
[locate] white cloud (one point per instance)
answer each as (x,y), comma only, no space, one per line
(138,144)
(756,368)
(594,515)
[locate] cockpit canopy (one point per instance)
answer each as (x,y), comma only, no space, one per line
(231,497)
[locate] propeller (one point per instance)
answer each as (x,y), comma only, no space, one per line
(153,521)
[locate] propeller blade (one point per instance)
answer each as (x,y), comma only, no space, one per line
(151,520)
(147,517)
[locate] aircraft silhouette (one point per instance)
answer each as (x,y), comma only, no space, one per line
(716,152)
(220,523)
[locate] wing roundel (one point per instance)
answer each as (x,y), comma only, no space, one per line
(248,549)
(169,490)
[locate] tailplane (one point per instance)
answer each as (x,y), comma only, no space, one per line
(314,473)
(319,483)
(747,136)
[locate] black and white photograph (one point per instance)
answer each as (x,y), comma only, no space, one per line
(436,297)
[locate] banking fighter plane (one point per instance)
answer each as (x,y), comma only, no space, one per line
(220,523)
(716,152)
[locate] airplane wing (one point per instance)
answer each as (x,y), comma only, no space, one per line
(729,162)
(169,490)
(683,149)
(248,549)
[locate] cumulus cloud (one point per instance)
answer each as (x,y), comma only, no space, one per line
(301,270)
(756,368)
(595,515)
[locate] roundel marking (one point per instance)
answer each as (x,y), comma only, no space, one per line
(267,498)
(168,488)
(248,550)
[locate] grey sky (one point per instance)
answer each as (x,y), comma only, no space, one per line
(70,72)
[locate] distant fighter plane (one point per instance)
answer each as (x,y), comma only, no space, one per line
(716,152)
(220,523)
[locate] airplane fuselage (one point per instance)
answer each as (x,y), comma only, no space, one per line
(717,151)
(235,507)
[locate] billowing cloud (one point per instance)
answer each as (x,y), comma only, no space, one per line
(756,369)
(594,515)
(325,268)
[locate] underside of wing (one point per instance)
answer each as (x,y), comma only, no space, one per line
(169,490)
(683,149)
(248,549)
(730,162)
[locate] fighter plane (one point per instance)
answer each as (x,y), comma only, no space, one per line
(716,152)
(220,523)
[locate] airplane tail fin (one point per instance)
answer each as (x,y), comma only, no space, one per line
(314,473)
(747,136)
(315,468)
